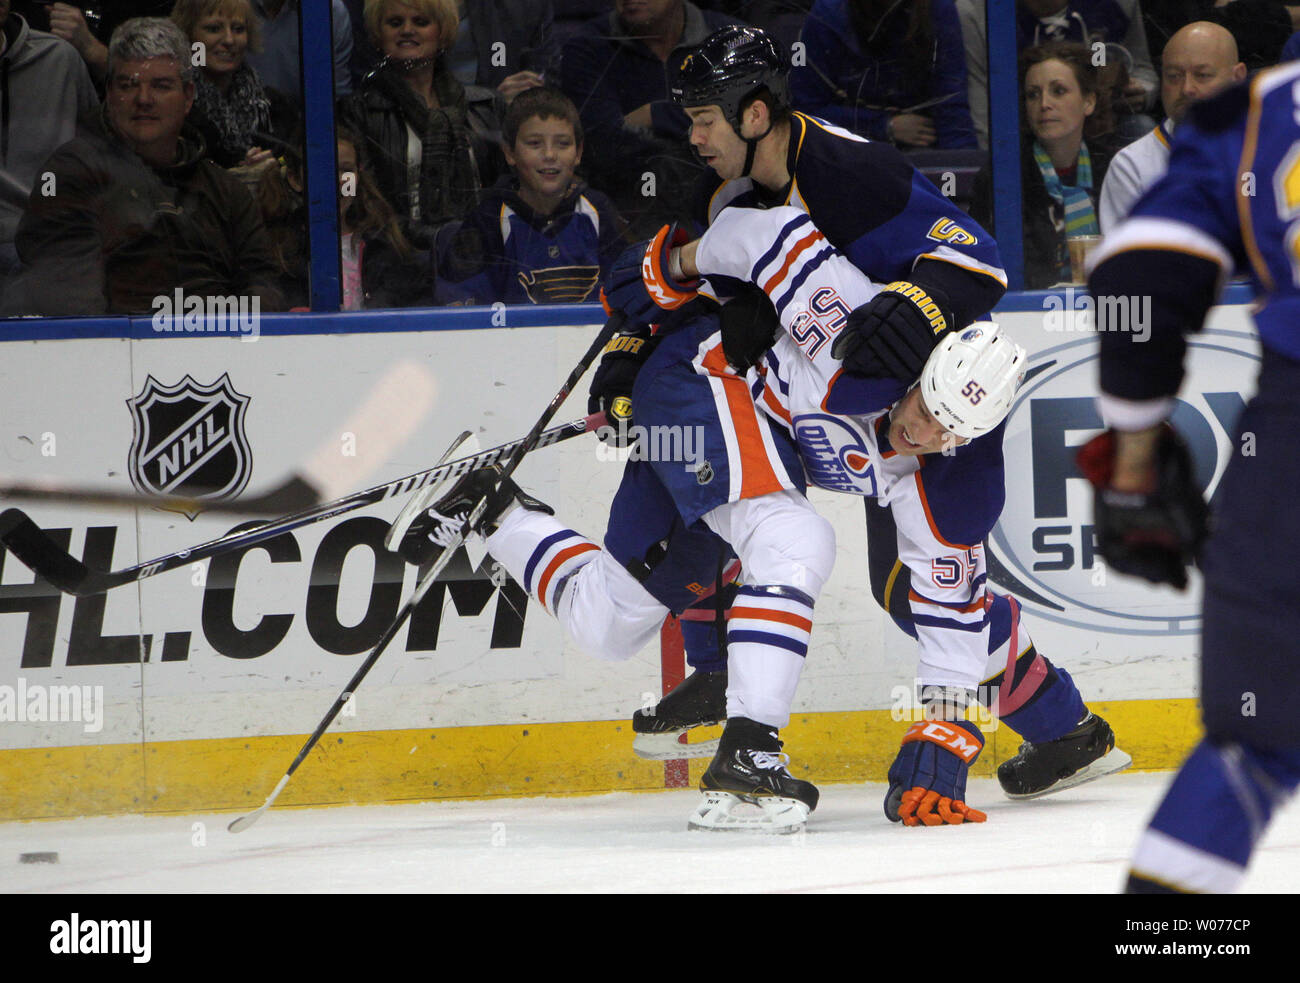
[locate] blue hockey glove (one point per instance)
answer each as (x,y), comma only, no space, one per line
(639,285)
(927,781)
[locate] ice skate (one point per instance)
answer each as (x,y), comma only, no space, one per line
(1086,753)
(700,700)
(748,786)
(444,521)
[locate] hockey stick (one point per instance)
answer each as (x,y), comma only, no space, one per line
(36,550)
(421,588)
(529,442)
(421,500)
(387,416)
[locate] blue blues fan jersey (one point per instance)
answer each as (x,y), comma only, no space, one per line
(506,252)
(870,204)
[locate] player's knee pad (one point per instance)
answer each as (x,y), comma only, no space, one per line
(605,612)
(782,540)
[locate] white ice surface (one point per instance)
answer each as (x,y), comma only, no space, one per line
(1075,842)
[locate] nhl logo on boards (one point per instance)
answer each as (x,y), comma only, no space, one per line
(188,439)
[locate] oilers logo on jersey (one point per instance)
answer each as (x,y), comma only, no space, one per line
(834,454)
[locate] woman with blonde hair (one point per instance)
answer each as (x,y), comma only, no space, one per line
(233,110)
(416,119)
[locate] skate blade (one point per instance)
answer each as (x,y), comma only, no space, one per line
(664,747)
(1108,764)
(726,812)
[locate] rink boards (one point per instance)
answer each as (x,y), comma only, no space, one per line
(194,689)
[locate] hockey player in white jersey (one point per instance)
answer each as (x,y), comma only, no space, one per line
(906,447)
(850,441)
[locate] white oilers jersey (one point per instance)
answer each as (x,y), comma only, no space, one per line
(942,505)
(813,288)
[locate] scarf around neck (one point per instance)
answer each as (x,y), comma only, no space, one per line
(1080,215)
(236,115)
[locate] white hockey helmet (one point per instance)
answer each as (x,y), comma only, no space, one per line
(971,378)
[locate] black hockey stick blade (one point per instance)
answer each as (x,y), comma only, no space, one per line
(292,495)
(47,559)
(27,541)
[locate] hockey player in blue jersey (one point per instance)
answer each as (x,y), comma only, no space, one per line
(1228,202)
(869,202)
(892,224)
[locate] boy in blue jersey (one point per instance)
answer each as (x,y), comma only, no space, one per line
(1227,202)
(540,236)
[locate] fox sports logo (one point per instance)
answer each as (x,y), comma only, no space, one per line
(1043,548)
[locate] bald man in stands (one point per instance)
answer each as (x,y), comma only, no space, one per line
(1199,60)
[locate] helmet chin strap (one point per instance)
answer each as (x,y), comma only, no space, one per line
(751,146)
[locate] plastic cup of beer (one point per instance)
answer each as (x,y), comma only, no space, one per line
(1080,248)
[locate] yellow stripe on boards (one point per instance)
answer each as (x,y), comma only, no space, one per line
(586,758)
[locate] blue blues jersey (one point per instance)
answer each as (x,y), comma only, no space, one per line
(1228,203)
(506,252)
(871,204)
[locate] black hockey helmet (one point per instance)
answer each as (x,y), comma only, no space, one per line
(727,67)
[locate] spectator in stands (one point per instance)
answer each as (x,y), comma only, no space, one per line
(1259,27)
(540,236)
(278,62)
(425,140)
(505,45)
(1061,173)
(1128,73)
(614,70)
(44,87)
(887,71)
(139,211)
(88,30)
(232,109)
(1198,61)
(380,267)
(782,19)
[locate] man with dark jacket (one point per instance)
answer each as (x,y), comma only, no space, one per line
(614,71)
(133,209)
(44,87)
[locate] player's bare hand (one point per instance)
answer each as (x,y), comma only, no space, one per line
(912,130)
